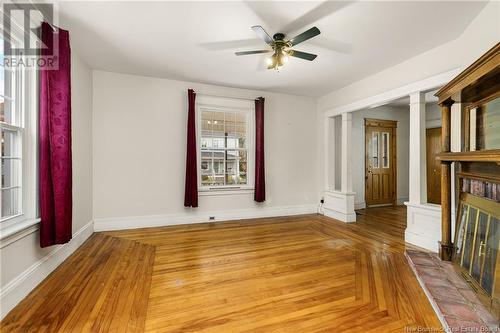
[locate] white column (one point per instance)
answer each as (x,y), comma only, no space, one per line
(346,183)
(340,204)
(418,165)
(329,153)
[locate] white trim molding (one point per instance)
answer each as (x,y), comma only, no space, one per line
(430,83)
(17,231)
(191,216)
(17,289)
(423,225)
(339,205)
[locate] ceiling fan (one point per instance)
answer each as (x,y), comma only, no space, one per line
(281,48)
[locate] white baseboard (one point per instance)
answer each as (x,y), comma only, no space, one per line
(17,289)
(191,216)
(348,218)
(359,205)
(401,201)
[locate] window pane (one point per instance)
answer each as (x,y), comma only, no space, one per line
(2,75)
(10,143)
(242,172)
(375,136)
(10,202)
(206,123)
(6,111)
(385,150)
(218,124)
(241,124)
(7,97)
(232,142)
(218,142)
(229,123)
(231,161)
(11,172)
(223,161)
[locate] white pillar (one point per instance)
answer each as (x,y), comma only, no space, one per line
(329,153)
(346,183)
(418,165)
(340,204)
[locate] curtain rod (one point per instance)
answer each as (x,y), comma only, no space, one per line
(228,97)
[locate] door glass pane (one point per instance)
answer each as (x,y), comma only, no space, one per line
(491,255)
(385,150)
(461,230)
(469,235)
(375,137)
(479,245)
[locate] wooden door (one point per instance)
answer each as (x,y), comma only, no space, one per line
(380,162)
(433,147)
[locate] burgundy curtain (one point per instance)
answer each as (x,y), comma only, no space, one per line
(55,141)
(260,182)
(191,186)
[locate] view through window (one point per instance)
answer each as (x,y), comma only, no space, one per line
(223,148)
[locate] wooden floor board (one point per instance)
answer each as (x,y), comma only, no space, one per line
(290,274)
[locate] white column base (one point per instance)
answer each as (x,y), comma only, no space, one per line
(424,225)
(340,206)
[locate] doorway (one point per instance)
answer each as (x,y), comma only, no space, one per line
(433,147)
(380,162)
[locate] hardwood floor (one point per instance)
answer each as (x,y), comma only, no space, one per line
(291,274)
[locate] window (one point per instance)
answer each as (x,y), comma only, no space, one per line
(12,140)
(385,150)
(225,147)
(375,136)
(18,143)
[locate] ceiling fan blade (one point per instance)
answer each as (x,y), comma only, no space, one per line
(262,34)
(231,44)
(251,52)
(308,34)
(332,45)
(302,55)
(323,10)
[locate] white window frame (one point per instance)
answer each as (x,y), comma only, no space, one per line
(16,226)
(220,104)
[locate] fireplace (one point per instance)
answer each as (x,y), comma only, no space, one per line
(477,241)
(475,170)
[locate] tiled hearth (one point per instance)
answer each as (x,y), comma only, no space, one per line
(453,299)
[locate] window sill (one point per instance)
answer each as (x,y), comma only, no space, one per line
(225,191)
(17,231)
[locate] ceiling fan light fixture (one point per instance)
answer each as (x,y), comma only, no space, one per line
(284,57)
(281,48)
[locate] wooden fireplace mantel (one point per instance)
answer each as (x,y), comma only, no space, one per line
(479,82)
(471,156)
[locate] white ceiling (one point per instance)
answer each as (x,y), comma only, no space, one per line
(195,41)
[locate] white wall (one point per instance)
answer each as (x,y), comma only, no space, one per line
(402,116)
(24,264)
(432,115)
(139,153)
